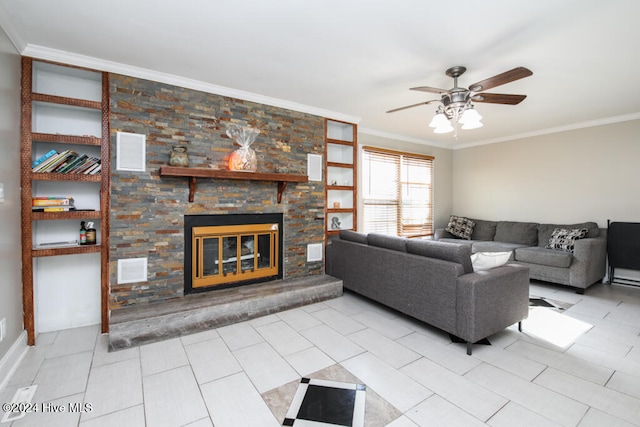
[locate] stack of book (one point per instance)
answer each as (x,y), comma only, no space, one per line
(52,204)
(67,161)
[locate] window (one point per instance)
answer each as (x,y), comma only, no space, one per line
(398,193)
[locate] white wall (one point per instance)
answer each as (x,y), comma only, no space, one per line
(10,238)
(442,173)
(591,174)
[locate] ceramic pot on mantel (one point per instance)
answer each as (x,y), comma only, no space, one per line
(178,157)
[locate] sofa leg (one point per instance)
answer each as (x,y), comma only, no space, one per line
(580,291)
(469,348)
(520,326)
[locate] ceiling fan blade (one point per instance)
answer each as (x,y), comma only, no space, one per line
(500,79)
(498,98)
(413,105)
(429,89)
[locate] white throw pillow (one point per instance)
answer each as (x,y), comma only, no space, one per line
(487,260)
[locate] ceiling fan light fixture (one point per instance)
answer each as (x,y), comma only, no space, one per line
(470,115)
(439,120)
(444,127)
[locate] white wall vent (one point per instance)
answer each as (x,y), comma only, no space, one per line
(314,167)
(132,270)
(131,152)
(314,252)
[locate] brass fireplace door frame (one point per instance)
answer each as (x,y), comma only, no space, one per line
(241,272)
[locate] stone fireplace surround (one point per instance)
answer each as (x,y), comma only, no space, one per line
(148,210)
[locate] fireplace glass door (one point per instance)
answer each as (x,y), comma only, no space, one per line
(233,253)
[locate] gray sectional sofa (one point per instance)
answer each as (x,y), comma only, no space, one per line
(431,281)
(528,241)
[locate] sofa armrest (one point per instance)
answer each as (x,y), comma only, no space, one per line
(489,301)
(441,233)
(589,262)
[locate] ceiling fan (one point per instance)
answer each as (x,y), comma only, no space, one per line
(456,103)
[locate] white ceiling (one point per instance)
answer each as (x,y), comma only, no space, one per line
(356,59)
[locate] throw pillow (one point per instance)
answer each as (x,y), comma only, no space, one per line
(460,226)
(564,240)
(487,260)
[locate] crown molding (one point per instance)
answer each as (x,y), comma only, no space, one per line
(575,126)
(45,53)
(405,138)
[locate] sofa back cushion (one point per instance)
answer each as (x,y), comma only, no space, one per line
(546,230)
(484,230)
(524,233)
(442,250)
(353,236)
(388,242)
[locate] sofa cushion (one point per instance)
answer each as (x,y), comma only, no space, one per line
(545,230)
(458,241)
(542,256)
(495,247)
(441,250)
(524,233)
(483,230)
(563,240)
(460,226)
(353,236)
(482,261)
(388,242)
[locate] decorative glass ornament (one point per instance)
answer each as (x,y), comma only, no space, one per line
(244,158)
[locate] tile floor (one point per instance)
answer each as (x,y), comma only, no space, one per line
(577,367)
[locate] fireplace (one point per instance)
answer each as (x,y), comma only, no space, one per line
(222,251)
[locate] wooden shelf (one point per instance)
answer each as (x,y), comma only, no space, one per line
(37,216)
(339,141)
(62,100)
(66,250)
(193,173)
(66,139)
(340,165)
(66,177)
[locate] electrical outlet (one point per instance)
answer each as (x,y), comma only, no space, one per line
(3,328)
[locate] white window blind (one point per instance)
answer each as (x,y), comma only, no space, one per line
(398,193)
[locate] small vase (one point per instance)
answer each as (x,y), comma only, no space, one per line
(178,157)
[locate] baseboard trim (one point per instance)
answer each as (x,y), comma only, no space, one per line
(12,359)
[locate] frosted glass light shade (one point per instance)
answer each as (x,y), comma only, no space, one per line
(439,120)
(470,115)
(444,128)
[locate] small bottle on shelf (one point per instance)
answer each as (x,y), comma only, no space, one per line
(83,234)
(91,234)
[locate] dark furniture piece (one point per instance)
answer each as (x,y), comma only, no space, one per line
(623,249)
(433,282)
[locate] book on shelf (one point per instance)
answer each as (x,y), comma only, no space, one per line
(53,209)
(72,163)
(52,201)
(42,166)
(59,160)
(89,162)
(95,169)
(43,158)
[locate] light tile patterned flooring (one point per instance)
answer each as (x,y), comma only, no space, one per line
(580,367)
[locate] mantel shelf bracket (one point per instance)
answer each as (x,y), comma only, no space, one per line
(194,173)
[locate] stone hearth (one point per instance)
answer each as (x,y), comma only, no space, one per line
(139,325)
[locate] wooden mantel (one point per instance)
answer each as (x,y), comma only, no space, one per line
(194,173)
